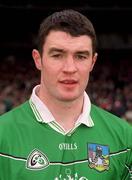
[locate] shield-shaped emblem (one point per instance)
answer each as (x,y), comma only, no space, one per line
(37,160)
(98,157)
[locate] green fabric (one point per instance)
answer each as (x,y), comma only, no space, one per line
(30,150)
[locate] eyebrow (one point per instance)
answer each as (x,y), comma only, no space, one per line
(51,50)
(83,52)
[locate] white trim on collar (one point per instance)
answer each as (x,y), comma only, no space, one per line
(41,108)
(43,114)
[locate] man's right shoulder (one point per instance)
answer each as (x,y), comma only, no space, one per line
(14,114)
(14,121)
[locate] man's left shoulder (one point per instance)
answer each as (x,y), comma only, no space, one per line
(101,115)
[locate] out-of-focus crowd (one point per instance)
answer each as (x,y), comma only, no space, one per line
(111,88)
(110,85)
(17,78)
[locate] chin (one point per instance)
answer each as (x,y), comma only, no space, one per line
(69,97)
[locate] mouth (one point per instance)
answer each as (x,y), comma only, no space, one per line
(68,82)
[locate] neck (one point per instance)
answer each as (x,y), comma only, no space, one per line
(65,113)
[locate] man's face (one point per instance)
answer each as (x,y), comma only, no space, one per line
(65,65)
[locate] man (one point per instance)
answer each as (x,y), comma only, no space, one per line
(58,134)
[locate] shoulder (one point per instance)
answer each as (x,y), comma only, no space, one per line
(112,127)
(15,120)
(101,116)
(14,114)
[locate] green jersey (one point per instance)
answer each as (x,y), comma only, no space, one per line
(31,150)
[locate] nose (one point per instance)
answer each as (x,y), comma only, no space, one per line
(69,65)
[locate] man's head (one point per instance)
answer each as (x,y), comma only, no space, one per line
(68,21)
(66,55)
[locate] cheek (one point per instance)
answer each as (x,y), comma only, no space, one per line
(49,74)
(84,76)
(85,70)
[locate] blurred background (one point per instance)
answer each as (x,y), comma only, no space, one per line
(110,85)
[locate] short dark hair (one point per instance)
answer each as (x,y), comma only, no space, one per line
(69,21)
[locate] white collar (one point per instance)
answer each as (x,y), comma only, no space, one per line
(43,114)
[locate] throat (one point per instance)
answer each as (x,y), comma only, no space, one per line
(67,116)
(67,124)
(66,113)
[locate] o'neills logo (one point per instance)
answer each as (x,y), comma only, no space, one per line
(37,160)
(68,146)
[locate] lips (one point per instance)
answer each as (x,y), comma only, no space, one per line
(68,81)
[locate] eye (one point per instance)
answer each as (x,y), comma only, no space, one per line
(81,57)
(56,56)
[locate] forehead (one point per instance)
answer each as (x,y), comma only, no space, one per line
(63,40)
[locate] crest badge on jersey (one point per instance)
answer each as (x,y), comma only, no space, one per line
(98,157)
(37,160)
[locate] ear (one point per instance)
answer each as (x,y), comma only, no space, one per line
(37,59)
(94,58)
